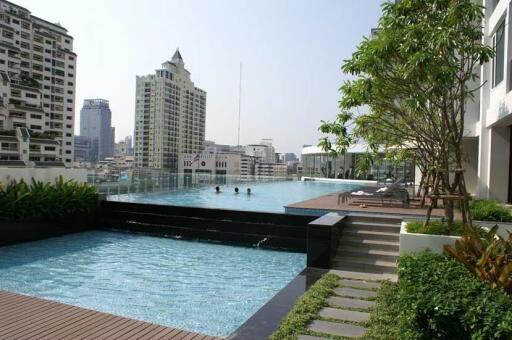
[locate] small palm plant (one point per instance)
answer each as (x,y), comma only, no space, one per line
(42,200)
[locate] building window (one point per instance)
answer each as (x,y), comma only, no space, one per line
(498,42)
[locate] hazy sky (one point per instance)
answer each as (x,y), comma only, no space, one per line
(291,53)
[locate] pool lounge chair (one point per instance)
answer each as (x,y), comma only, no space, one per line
(392,193)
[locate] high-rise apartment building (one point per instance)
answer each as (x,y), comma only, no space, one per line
(170,115)
(37,79)
(96,124)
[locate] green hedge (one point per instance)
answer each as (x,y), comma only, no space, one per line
(306,309)
(435,228)
(487,210)
(437,298)
(21,201)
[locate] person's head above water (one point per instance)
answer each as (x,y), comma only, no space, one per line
(236,190)
(217,189)
(248,191)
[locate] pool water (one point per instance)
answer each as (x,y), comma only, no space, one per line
(265,197)
(201,287)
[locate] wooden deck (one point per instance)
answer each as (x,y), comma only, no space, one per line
(26,317)
(330,203)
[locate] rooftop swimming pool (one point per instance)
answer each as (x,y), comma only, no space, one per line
(264,197)
(202,287)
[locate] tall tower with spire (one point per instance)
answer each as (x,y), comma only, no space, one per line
(170,114)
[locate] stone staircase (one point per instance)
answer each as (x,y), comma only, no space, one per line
(366,255)
(368,244)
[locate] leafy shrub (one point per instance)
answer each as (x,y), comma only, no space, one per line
(20,201)
(440,299)
(437,298)
(435,228)
(306,309)
(489,258)
(487,210)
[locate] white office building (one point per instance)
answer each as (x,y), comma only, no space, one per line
(170,113)
(264,152)
(211,163)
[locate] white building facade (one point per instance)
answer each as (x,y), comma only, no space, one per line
(211,163)
(170,115)
(489,118)
(37,78)
(263,152)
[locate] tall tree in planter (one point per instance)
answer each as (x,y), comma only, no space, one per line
(416,77)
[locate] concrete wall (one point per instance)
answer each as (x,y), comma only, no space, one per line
(42,174)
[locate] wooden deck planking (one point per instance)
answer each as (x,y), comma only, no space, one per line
(25,317)
(330,203)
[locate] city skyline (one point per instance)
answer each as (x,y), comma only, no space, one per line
(291,59)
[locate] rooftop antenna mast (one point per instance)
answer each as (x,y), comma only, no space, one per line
(239,106)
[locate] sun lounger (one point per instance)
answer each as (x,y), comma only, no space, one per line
(390,193)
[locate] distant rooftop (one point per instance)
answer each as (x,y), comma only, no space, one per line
(96,102)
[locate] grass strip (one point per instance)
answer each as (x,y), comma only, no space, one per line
(306,309)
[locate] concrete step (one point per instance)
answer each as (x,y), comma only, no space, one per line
(368,277)
(338,329)
(341,302)
(340,255)
(371,235)
(366,260)
(367,252)
(343,315)
(359,284)
(390,228)
(359,241)
(375,218)
(349,265)
(355,293)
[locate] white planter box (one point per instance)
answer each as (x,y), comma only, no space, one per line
(413,243)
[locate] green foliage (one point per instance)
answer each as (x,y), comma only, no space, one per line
(489,257)
(305,309)
(440,299)
(415,76)
(42,135)
(21,201)
(435,228)
(488,210)
(437,298)
(382,322)
(7,132)
(30,82)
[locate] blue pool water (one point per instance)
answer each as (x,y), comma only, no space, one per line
(202,287)
(266,197)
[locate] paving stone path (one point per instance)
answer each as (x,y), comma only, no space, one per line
(361,269)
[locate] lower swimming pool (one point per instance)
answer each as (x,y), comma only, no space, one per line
(202,287)
(265,197)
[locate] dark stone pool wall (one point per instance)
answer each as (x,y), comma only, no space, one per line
(13,232)
(266,230)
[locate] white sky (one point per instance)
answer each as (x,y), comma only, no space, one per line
(291,52)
